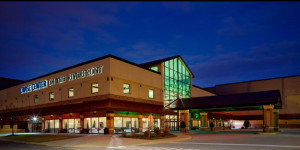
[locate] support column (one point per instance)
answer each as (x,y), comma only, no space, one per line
(60,124)
(162,122)
(140,123)
(203,118)
(43,125)
(184,116)
(268,122)
(110,122)
(276,119)
(81,123)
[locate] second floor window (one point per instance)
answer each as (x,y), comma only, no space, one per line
(51,96)
(71,92)
(151,93)
(126,88)
(94,87)
(35,99)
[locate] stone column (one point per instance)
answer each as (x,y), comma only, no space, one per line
(110,122)
(81,123)
(184,116)
(268,122)
(162,122)
(203,118)
(276,119)
(60,124)
(140,123)
(43,125)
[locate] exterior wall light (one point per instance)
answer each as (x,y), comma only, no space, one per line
(34,118)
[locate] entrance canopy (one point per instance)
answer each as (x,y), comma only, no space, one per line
(232,102)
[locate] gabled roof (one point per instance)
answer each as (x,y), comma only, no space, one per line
(145,65)
(231,100)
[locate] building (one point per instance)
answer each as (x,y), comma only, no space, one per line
(113,93)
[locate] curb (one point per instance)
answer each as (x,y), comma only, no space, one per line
(162,142)
(268,133)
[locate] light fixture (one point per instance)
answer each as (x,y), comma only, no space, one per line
(34,118)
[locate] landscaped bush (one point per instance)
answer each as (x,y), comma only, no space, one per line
(166,131)
(84,131)
(147,134)
(106,131)
(156,131)
(63,131)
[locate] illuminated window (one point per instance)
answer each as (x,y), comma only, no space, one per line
(94,87)
(151,93)
(51,96)
(126,88)
(71,92)
(155,68)
(177,80)
(35,99)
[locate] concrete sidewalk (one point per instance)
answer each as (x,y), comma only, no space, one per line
(95,141)
(109,141)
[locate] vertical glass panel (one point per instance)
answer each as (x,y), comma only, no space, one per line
(65,123)
(77,125)
(47,124)
(117,122)
(56,126)
(167,72)
(102,124)
(175,64)
(171,64)
(172,73)
(87,123)
(94,122)
(71,123)
(51,124)
(145,124)
(127,124)
(135,122)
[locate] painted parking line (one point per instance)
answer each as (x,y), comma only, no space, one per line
(232,144)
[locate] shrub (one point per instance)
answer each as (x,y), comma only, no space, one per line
(63,131)
(147,134)
(84,131)
(106,131)
(133,134)
(166,131)
(156,131)
(124,134)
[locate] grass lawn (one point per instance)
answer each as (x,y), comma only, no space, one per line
(38,138)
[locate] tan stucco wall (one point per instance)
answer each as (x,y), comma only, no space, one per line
(198,92)
(289,88)
(140,81)
(120,71)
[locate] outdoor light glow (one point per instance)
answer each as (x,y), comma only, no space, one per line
(34,118)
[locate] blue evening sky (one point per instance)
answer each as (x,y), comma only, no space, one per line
(221,42)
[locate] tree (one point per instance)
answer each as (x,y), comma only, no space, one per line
(246,124)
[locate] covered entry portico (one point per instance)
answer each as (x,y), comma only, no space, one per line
(267,101)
